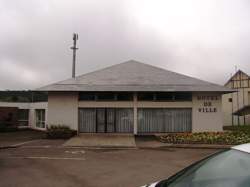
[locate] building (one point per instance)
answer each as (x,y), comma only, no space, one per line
(236,105)
(25,114)
(138,98)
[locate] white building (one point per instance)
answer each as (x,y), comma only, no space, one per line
(134,97)
(32,115)
(238,102)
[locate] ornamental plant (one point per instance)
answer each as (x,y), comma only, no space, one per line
(227,137)
(59,132)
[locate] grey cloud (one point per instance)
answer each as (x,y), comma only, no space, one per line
(36,36)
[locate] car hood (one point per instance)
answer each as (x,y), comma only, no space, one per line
(150,185)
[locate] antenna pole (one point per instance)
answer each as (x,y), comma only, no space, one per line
(74,48)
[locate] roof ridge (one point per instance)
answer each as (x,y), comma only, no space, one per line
(135,61)
(134,73)
(98,70)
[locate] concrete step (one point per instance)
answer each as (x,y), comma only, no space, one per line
(101,140)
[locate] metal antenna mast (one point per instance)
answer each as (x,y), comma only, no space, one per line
(74,48)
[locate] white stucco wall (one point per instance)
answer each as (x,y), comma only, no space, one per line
(207,121)
(63,109)
(229,107)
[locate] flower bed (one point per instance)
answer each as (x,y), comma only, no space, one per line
(245,128)
(227,138)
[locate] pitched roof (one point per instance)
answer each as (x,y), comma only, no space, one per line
(134,76)
(238,73)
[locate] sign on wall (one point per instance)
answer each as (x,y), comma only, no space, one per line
(207,104)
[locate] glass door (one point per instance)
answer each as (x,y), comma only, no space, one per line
(101,120)
(110,115)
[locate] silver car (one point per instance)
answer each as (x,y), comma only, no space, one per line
(229,168)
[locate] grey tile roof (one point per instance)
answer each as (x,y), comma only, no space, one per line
(134,76)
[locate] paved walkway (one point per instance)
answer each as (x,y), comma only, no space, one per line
(130,141)
(31,138)
(149,141)
(9,139)
(79,167)
(102,140)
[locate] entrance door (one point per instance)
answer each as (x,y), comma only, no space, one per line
(106,120)
(101,120)
(110,120)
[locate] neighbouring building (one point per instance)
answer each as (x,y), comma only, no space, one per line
(24,114)
(23,109)
(138,98)
(8,116)
(236,105)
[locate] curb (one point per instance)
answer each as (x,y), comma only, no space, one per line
(8,147)
(197,146)
(99,147)
(162,147)
(18,144)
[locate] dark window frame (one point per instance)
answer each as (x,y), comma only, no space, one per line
(86,94)
(23,117)
(142,96)
(100,96)
(95,96)
(40,116)
(129,96)
(172,97)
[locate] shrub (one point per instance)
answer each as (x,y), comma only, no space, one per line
(59,132)
(230,138)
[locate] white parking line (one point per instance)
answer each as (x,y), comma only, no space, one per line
(22,143)
(46,158)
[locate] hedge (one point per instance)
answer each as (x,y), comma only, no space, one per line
(60,132)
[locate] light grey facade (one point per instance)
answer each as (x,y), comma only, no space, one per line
(134,97)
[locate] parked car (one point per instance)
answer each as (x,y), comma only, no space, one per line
(228,168)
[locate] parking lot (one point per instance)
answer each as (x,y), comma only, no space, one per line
(58,166)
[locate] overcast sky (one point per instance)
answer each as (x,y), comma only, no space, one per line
(203,39)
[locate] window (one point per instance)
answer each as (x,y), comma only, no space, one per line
(124,96)
(183,96)
(86,96)
(40,118)
(23,117)
(106,96)
(230,100)
(164,96)
(146,96)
